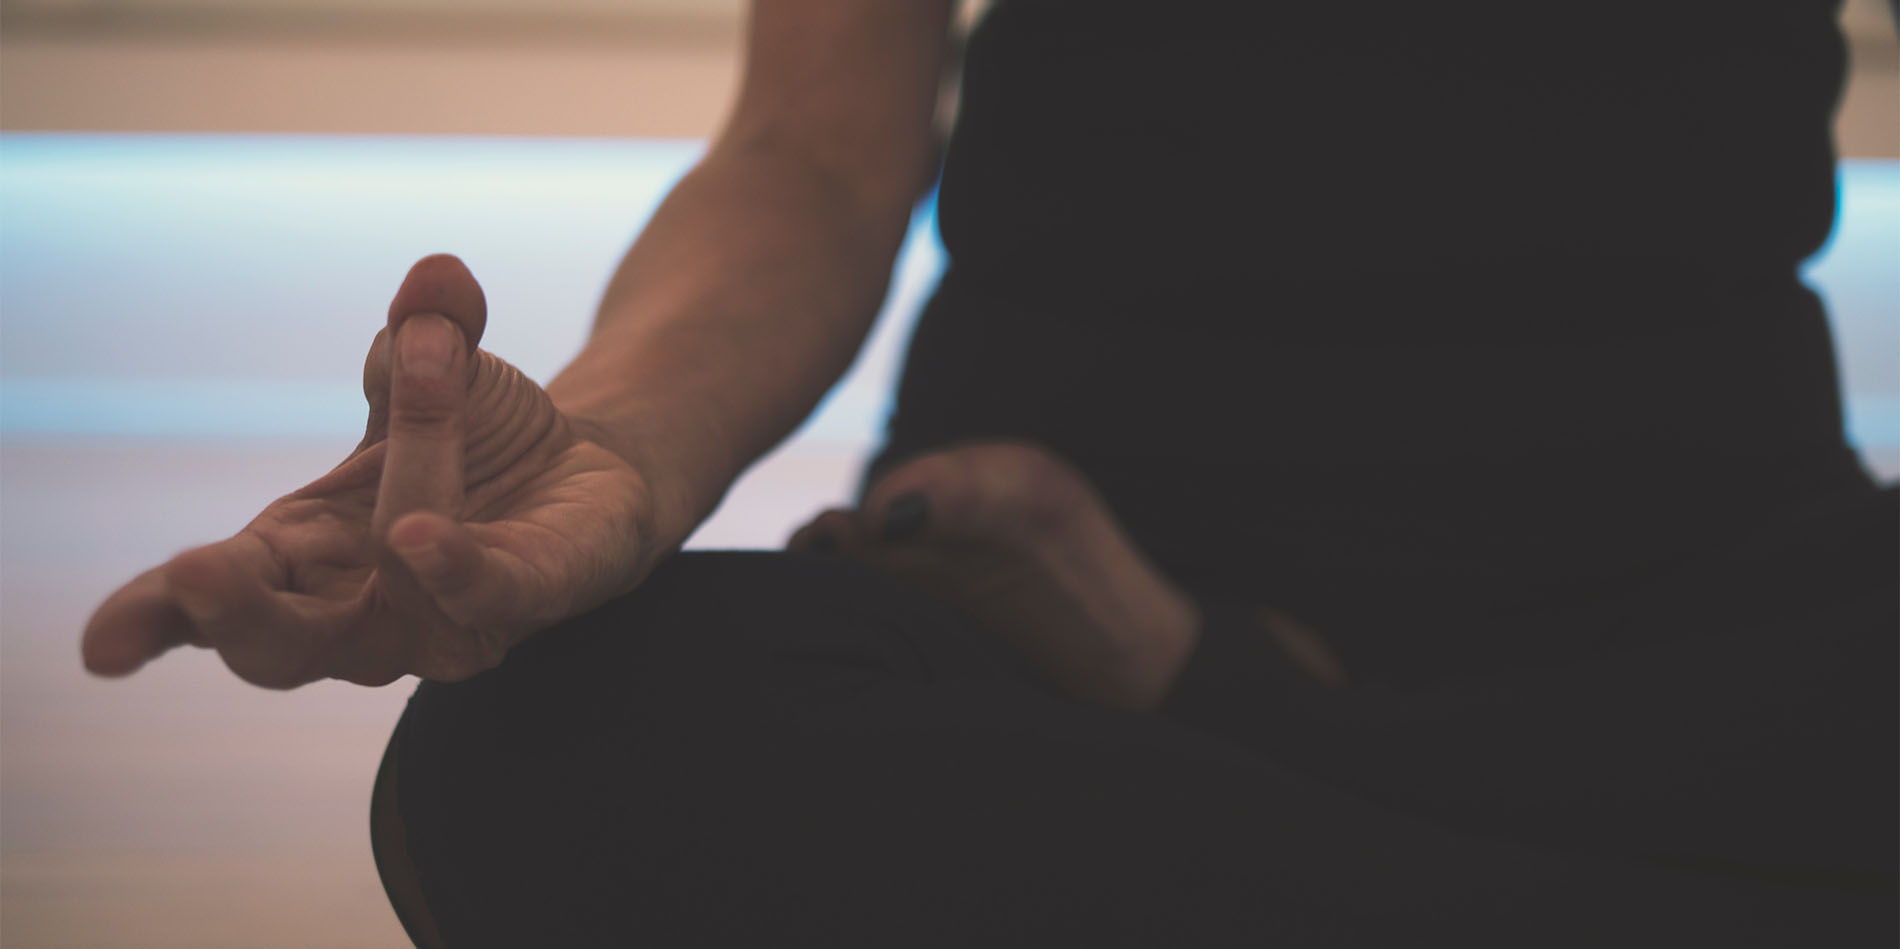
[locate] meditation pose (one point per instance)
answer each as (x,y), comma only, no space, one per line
(1371,475)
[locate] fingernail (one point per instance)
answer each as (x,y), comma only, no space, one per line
(904,518)
(425,560)
(426,345)
(823,542)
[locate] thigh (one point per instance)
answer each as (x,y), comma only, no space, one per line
(792,750)
(1736,714)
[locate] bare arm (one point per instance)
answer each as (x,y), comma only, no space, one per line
(481,508)
(757,279)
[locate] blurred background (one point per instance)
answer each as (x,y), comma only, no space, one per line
(204,207)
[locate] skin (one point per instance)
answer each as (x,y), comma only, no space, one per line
(481,507)
(472,513)
(1022,541)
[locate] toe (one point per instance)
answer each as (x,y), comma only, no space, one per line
(834,531)
(984,490)
(932,496)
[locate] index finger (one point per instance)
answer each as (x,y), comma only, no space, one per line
(430,367)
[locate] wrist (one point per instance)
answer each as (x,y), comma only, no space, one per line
(683,486)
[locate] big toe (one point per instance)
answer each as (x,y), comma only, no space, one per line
(989,490)
(834,531)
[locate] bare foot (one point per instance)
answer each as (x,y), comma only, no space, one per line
(1017,537)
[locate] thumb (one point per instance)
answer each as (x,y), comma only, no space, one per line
(422,466)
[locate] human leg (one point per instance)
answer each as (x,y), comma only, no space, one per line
(1730,715)
(1729,712)
(794,750)
(1735,715)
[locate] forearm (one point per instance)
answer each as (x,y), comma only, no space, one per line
(744,298)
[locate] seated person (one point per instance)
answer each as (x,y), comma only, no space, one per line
(1370,475)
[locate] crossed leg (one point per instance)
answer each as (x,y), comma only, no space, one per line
(796,749)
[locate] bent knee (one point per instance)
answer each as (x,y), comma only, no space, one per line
(715,613)
(711,641)
(636,707)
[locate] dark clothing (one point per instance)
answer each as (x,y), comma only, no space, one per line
(1469,333)
(1478,478)
(778,749)
(1240,144)
(1474,307)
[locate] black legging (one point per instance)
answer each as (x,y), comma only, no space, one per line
(780,749)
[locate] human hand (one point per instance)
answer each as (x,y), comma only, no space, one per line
(473,514)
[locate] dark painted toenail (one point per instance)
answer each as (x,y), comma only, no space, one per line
(823,542)
(904,518)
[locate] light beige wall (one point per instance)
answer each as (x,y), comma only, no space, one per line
(1868,124)
(662,68)
(558,67)
(202,10)
(620,86)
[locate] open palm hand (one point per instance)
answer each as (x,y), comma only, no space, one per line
(473,514)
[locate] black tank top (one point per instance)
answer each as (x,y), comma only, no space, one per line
(1474,300)
(1240,142)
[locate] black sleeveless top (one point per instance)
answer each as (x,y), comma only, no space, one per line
(1475,301)
(1237,142)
